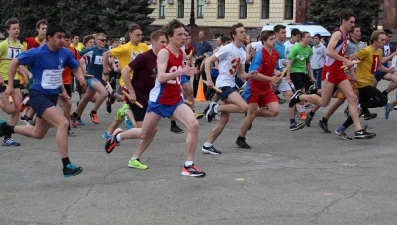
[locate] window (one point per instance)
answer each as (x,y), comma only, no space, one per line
(265,9)
(181,8)
(243,9)
(200,8)
(289,8)
(221,8)
(378,21)
(162,9)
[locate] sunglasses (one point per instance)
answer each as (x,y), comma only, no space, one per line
(103,40)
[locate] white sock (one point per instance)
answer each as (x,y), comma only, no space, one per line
(118,138)
(216,109)
(206,144)
(359,107)
(188,163)
(133,158)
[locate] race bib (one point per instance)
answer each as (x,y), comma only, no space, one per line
(13,52)
(98,60)
(281,63)
(51,79)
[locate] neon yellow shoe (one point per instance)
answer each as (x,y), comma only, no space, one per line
(121,111)
(198,115)
(137,164)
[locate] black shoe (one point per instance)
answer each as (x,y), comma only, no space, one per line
(210,150)
(108,106)
(363,134)
(241,143)
(211,112)
(323,126)
(176,129)
(295,99)
(368,115)
(312,90)
(112,99)
(71,170)
(206,110)
(296,126)
(308,120)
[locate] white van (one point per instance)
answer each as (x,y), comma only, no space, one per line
(312,29)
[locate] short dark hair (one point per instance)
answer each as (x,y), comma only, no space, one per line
(354,27)
(234,28)
(170,27)
(278,27)
(318,35)
(40,22)
(68,35)
(87,38)
(133,27)
(345,14)
(266,34)
(10,22)
(295,32)
(388,31)
(53,29)
(74,35)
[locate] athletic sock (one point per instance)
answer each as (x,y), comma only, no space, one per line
(324,120)
(311,114)
(65,162)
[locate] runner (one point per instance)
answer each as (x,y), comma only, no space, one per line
(95,85)
(231,60)
(47,63)
(165,98)
(10,48)
(260,97)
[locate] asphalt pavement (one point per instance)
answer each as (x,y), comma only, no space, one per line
(301,177)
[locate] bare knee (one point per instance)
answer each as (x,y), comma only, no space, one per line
(193,127)
(274,113)
(244,109)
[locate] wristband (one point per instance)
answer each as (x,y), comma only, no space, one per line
(105,74)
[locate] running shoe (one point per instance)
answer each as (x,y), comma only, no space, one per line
(342,134)
(211,112)
(112,142)
(80,122)
(312,90)
(363,134)
(128,124)
(308,120)
(71,133)
(105,135)
(198,115)
(323,126)
(24,104)
(295,98)
(368,115)
(176,129)
(302,115)
(108,106)
(192,171)
(94,118)
(296,126)
(71,170)
(388,109)
(242,144)
(73,120)
(10,142)
(210,150)
(136,163)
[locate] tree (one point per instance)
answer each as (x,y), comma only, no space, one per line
(118,14)
(80,17)
(326,13)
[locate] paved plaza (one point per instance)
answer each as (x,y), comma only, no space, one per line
(302,177)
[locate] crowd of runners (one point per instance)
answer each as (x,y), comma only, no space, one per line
(152,78)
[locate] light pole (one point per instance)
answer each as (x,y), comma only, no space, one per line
(192,19)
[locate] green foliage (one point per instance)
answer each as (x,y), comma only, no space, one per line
(81,17)
(118,14)
(325,12)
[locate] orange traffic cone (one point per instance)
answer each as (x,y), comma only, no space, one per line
(200,93)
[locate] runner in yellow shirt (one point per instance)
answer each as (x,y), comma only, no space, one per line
(9,49)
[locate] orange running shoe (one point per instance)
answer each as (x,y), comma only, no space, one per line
(302,115)
(94,118)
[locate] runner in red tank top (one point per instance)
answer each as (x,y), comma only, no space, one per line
(334,75)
